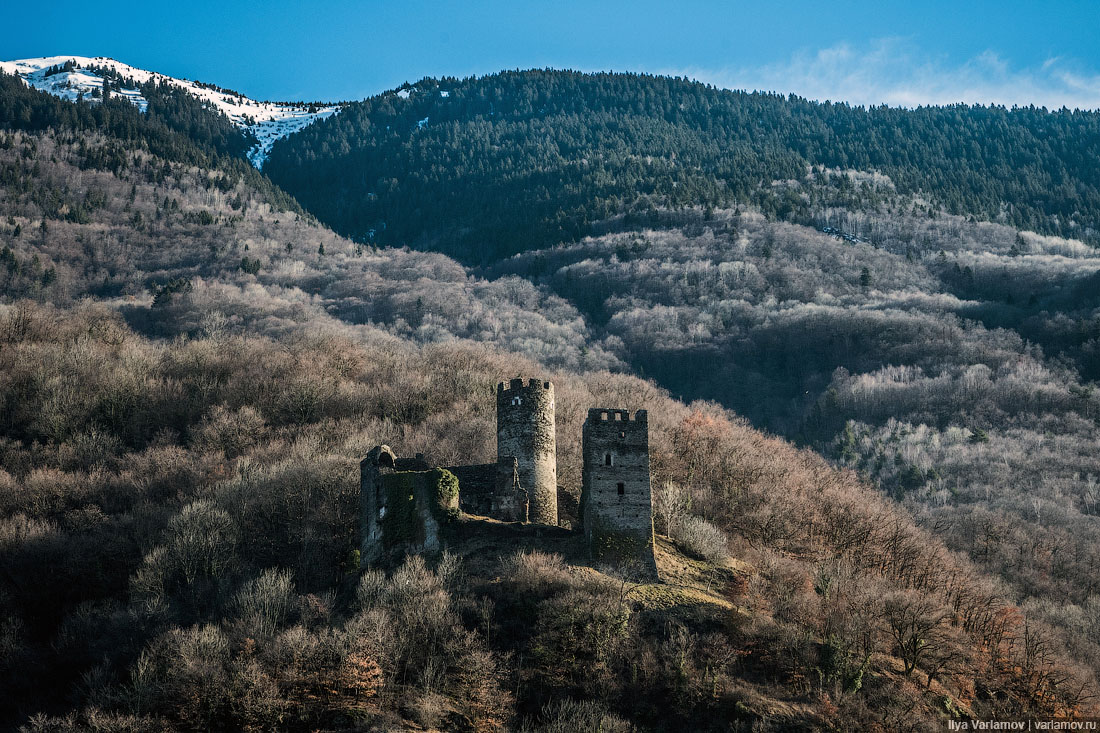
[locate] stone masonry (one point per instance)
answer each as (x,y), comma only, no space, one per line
(401,511)
(616,498)
(526,431)
(492,490)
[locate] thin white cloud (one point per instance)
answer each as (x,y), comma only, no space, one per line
(892,71)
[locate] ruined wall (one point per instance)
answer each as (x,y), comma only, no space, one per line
(413,464)
(616,498)
(401,512)
(525,430)
(378,461)
(492,490)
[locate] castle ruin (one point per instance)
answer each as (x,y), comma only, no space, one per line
(405,502)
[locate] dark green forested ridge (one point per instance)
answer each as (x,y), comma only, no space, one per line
(485,167)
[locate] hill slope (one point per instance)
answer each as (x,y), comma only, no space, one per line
(482,168)
(953,363)
(850,297)
(178,489)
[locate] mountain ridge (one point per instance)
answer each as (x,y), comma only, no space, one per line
(523,160)
(79,77)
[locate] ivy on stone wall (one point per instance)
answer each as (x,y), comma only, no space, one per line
(404,521)
(445,493)
(400,523)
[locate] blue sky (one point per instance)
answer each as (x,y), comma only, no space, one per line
(863,52)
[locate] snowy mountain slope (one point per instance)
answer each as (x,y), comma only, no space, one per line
(268,121)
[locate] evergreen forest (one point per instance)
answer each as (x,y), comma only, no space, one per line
(482,168)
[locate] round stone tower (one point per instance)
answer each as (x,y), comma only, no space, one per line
(525,431)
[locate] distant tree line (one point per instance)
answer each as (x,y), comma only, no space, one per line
(521,160)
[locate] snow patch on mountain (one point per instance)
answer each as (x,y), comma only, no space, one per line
(268,121)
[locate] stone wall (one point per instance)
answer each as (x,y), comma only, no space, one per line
(401,512)
(492,490)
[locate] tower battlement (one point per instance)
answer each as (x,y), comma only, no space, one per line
(603,415)
(518,384)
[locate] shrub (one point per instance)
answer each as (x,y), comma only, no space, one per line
(429,709)
(201,541)
(372,588)
(232,432)
(701,539)
(577,630)
(90,449)
(532,570)
(267,602)
(565,716)
(192,671)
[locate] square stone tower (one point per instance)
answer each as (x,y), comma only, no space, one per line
(616,499)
